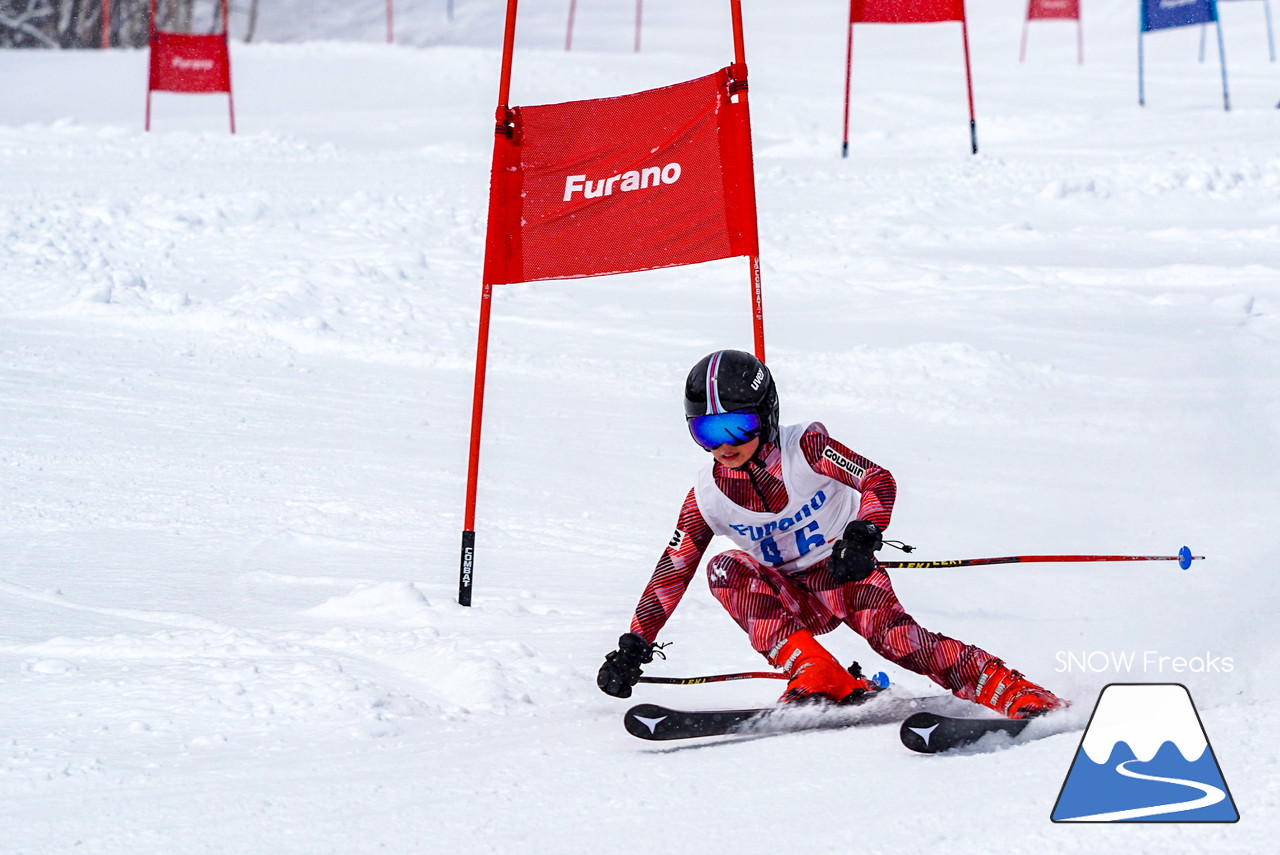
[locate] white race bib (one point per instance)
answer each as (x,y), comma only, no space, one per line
(818,508)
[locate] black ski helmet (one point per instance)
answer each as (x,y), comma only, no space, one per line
(730,381)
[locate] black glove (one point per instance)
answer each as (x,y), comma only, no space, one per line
(621,668)
(853,555)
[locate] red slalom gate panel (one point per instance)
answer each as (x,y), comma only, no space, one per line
(1053,10)
(905,11)
(191,63)
(655,179)
(1068,9)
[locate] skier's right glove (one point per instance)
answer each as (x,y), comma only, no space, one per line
(853,556)
(621,668)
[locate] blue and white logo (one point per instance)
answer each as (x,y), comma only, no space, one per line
(1145,757)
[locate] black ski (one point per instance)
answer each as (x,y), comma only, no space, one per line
(650,721)
(654,722)
(930,733)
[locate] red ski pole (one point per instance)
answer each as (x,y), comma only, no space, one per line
(1184,559)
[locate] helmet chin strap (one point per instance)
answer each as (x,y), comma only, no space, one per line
(759,464)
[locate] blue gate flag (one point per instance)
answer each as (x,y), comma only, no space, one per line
(1163,14)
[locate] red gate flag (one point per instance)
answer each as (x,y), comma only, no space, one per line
(1068,9)
(189,63)
(1047,10)
(185,62)
(656,179)
(907,12)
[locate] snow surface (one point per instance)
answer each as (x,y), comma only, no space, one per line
(235,378)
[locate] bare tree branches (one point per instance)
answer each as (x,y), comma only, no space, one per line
(78,23)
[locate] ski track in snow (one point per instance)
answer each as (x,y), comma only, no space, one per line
(235,388)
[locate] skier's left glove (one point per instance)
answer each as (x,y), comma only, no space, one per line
(853,555)
(621,668)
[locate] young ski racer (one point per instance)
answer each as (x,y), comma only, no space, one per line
(806,514)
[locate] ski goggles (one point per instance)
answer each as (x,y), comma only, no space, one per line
(719,429)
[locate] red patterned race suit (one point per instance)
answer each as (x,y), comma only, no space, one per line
(772,593)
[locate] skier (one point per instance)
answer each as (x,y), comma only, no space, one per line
(779,492)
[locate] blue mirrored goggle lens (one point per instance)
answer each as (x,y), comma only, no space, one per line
(720,429)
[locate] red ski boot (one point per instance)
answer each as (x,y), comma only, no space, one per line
(814,674)
(1012,695)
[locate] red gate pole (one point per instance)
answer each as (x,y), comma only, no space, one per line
(391,12)
(467,565)
(968,77)
(151,34)
(568,30)
(231,108)
(1026,25)
(1079,38)
(106,24)
(226,37)
(639,13)
(848,77)
(757,287)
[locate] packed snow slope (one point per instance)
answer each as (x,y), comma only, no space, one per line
(235,385)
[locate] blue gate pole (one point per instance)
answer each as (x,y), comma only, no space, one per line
(1222,59)
(1271,42)
(1142,22)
